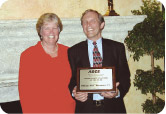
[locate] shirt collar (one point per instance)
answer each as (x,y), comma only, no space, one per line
(99,41)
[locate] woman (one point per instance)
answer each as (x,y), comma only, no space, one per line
(44,72)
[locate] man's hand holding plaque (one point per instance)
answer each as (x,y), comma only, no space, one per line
(111,94)
(83,96)
(80,96)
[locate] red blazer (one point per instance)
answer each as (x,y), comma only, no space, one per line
(43,81)
(113,55)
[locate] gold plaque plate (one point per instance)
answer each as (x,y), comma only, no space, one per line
(96,80)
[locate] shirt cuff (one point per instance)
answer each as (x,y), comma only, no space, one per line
(118,95)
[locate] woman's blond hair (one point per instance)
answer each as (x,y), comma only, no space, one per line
(46,18)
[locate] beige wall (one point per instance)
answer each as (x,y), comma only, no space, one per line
(26,9)
(22,9)
(124,7)
(30,9)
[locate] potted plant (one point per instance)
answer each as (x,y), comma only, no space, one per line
(148,37)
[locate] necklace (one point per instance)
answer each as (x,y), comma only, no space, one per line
(56,49)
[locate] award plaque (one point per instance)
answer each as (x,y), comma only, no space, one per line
(96,80)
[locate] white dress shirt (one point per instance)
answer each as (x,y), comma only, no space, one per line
(90,53)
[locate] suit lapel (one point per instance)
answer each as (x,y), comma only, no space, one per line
(84,55)
(106,54)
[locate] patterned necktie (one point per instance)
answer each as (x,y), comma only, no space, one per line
(97,60)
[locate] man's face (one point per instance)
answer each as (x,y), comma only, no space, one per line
(92,27)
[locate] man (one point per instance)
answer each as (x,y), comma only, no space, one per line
(112,53)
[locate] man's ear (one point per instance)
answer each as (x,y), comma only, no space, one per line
(102,25)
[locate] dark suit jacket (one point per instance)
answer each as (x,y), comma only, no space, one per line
(113,55)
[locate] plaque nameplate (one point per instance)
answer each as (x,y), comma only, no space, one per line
(94,80)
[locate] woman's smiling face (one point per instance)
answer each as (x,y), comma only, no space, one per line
(50,32)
